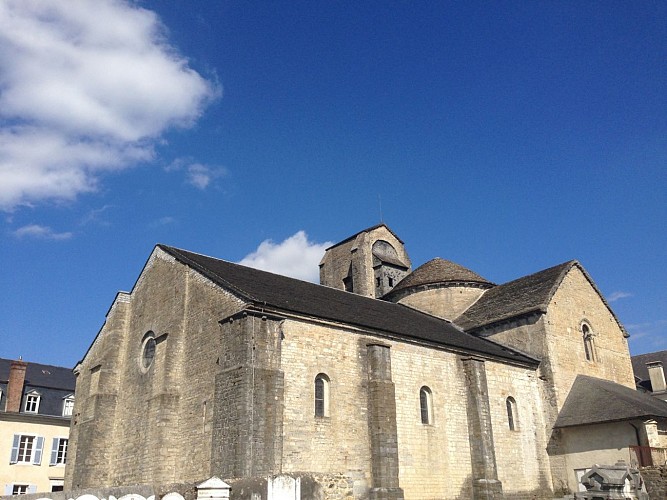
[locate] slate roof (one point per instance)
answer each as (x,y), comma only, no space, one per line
(53,383)
(594,401)
(438,271)
(291,295)
(38,375)
(531,293)
(639,366)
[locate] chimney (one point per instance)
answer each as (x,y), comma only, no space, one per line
(657,376)
(15,385)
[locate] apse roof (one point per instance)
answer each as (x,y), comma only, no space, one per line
(288,294)
(439,271)
(593,401)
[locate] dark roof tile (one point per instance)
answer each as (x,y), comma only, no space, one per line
(593,401)
(38,375)
(515,298)
(288,294)
(639,363)
(438,271)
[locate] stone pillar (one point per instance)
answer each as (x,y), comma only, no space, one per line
(249,398)
(485,481)
(15,385)
(382,425)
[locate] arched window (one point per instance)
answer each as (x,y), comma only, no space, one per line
(589,347)
(512,420)
(426,405)
(321,395)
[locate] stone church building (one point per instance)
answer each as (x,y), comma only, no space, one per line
(431,383)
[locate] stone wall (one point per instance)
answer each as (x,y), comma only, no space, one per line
(655,479)
(132,419)
(446,302)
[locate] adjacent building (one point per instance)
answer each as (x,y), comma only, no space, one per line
(421,384)
(650,374)
(36,403)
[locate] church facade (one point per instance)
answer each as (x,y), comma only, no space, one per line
(430,383)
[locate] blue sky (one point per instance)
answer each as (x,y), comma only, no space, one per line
(505,136)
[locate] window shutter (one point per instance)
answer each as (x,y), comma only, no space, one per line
(54,451)
(32,488)
(15,451)
(37,454)
(8,489)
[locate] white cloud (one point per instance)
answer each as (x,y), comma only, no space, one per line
(296,257)
(653,334)
(200,176)
(85,88)
(197,174)
(613,297)
(40,232)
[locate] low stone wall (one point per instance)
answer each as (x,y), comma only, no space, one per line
(655,479)
(297,486)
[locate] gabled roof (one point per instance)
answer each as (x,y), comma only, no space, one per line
(439,271)
(639,365)
(594,401)
(516,298)
(265,289)
(523,296)
(367,230)
(38,375)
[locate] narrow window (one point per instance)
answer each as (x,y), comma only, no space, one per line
(348,284)
(511,413)
(59,451)
(321,395)
(391,282)
(378,282)
(589,348)
(426,405)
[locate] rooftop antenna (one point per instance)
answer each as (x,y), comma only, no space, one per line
(380,205)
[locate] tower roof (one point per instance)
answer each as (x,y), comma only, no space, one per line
(439,271)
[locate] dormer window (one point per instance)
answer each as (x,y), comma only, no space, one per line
(32,400)
(68,406)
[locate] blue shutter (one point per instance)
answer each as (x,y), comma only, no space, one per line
(32,488)
(37,454)
(15,450)
(8,489)
(54,451)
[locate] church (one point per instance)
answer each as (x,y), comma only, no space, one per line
(381,382)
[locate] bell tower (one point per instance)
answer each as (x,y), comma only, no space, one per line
(369,263)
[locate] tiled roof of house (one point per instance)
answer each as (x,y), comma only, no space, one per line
(515,298)
(38,375)
(291,295)
(438,271)
(589,403)
(52,383)
(639,366)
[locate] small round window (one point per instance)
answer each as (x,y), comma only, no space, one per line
(148,353)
